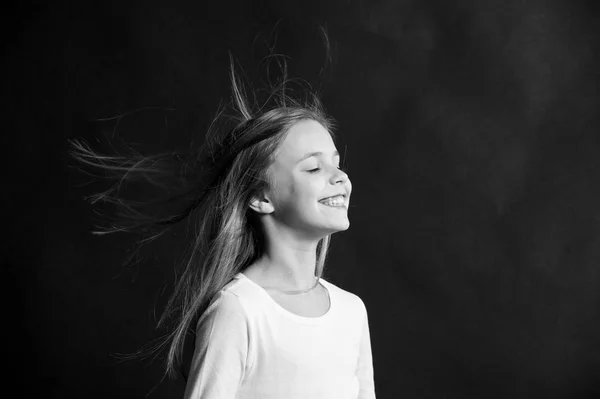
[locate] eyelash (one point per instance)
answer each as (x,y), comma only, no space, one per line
(315,170)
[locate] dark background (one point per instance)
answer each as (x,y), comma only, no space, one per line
(472,140)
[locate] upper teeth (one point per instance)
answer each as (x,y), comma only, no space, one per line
(337,200)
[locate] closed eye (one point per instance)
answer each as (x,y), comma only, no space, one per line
(315,170)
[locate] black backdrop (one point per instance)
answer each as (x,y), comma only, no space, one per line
(470,132)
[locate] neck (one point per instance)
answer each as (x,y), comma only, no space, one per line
(288,265)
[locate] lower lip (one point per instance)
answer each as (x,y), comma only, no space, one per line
(334,206)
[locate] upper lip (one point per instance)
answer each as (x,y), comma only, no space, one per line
(334,195)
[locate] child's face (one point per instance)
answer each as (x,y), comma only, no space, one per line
(305,172)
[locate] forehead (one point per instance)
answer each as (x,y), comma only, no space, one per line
(303,137)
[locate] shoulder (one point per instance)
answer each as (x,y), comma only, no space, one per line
(237,296)
(346,297)
(225,301)
(232,297)
(239,287)
(225,313)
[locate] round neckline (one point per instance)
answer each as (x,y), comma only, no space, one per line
(291,315)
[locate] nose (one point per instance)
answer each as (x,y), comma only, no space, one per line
(339,176)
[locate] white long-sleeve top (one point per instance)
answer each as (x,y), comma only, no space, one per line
(250,347)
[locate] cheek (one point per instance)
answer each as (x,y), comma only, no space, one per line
(304,195)
(311,190)
(287,198)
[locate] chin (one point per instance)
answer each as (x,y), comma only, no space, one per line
(341,227)
(346,227)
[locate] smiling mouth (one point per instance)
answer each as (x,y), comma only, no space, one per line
(337,201)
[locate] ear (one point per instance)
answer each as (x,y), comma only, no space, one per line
(261,204)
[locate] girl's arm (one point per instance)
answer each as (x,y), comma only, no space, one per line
(364,370)
(221,350)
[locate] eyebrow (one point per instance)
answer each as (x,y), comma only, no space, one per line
(316,154)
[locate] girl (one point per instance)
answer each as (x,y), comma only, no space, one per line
(265,196)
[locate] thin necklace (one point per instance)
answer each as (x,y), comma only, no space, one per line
(300,291)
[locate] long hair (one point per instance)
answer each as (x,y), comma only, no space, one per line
(210,190)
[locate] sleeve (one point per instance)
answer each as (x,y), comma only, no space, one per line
(364,369)
(221,349)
